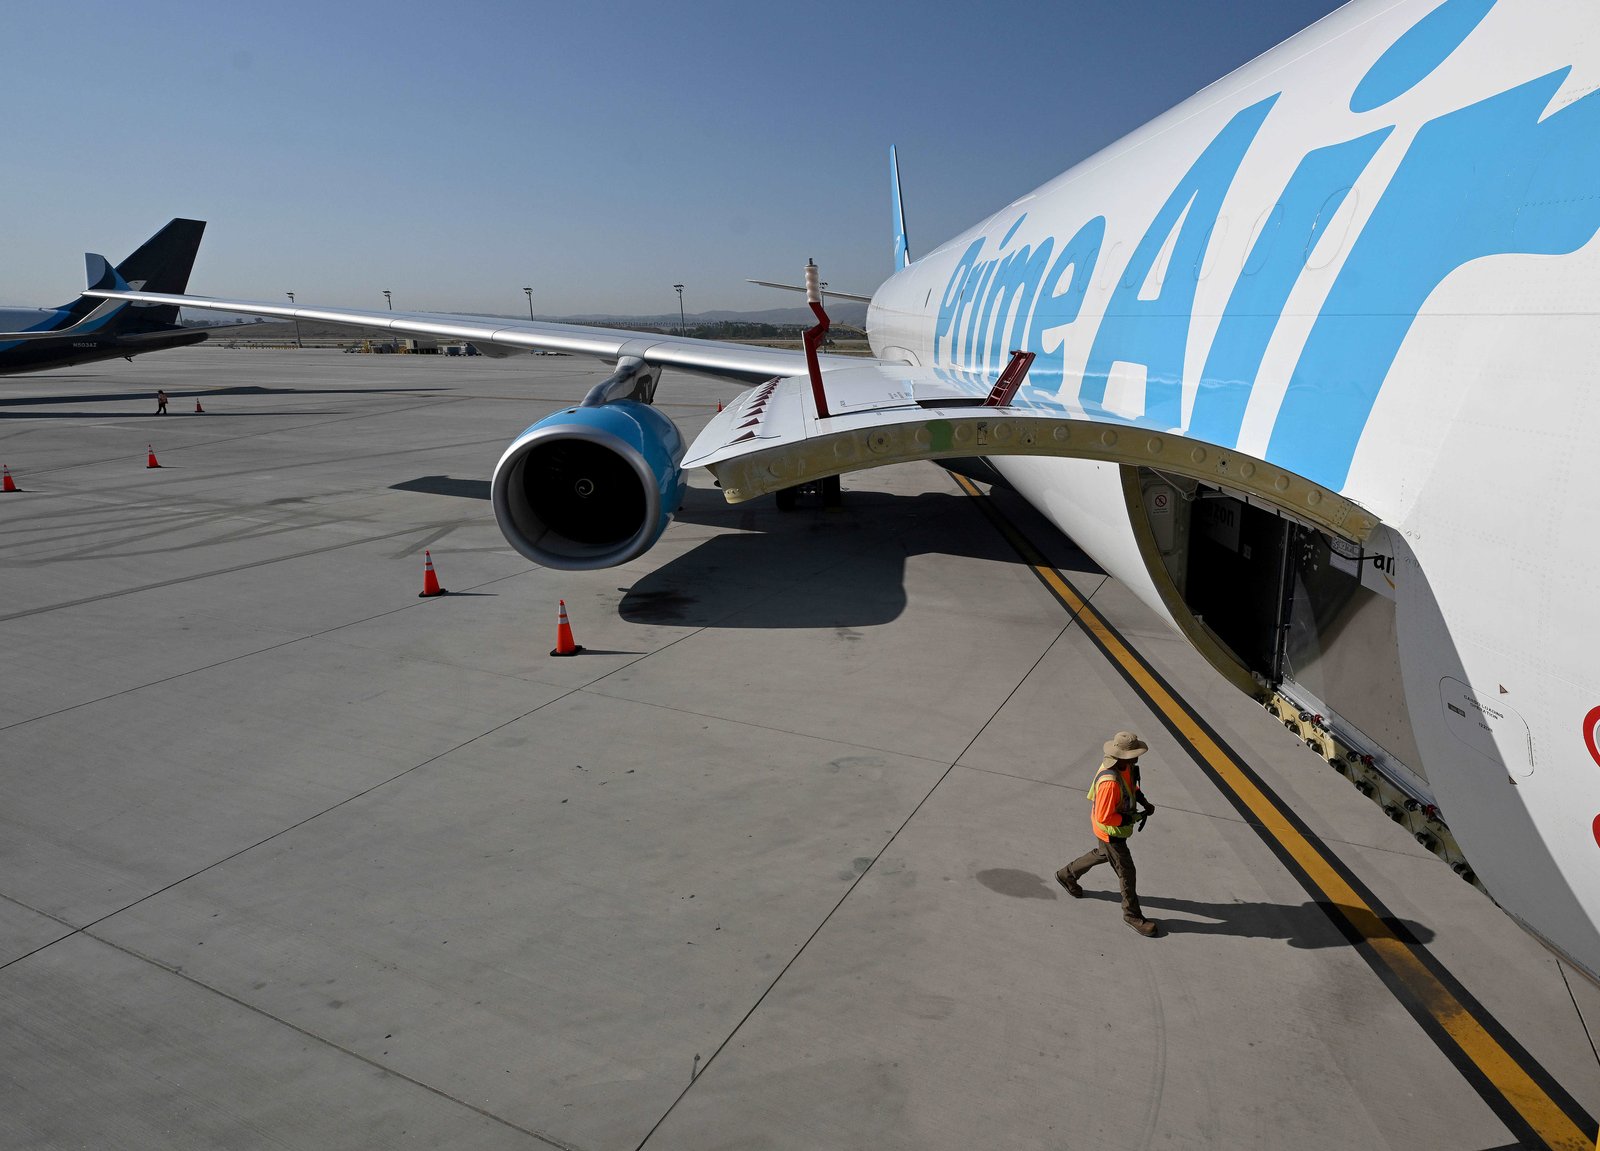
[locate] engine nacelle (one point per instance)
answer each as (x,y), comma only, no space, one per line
(590,487)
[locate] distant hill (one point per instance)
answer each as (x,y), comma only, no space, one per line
(839,311)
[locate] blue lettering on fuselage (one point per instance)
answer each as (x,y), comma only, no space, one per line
(1414,56)
(1009,297)
(1491,178)
(1066,285)
(953,300)
(1271,270)
(1154,332)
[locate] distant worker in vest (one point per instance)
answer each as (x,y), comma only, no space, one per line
(1117,808)
(161,402)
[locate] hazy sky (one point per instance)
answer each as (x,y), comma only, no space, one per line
(599,153)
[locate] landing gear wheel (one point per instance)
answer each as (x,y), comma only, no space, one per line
(826,490)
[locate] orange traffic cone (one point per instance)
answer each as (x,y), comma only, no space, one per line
(198,410)
(564,644)
(151,463)
(430,581)
(719,405)
(9,484)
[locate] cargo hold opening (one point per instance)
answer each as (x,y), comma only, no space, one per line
(1278,603)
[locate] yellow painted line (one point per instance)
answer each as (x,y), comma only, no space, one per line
(1504,1072)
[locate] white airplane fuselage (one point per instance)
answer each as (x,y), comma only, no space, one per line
(1369,258)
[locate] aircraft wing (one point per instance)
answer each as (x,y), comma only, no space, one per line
(492,333)
(826,292)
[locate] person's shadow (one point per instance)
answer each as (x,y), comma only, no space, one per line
(1305,925)
(1297,924)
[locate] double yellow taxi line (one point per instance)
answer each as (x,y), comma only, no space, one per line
(1525,1097)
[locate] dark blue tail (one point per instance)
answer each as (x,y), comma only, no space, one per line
(160,264)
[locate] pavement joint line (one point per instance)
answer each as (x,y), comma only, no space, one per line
(1521,1093)
(242,436)
(778,591)
(866,871)
(1567,983)
(676,710)
(175,580)
(251,530)
(258,651)
(87,928)
(84,928)
(326,1042)
(39,911)
(145,481)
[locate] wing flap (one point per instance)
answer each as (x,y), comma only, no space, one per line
(770,438)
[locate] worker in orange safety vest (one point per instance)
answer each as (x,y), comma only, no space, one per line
(1118,806)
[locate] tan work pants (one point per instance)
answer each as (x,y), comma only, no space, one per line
(1121,859)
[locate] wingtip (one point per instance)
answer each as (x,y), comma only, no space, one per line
(100,275)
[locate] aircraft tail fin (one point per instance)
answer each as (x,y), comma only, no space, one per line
(162,263)
(902,254)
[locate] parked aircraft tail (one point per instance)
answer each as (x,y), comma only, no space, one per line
(87,329)
(902,254)
(160,264)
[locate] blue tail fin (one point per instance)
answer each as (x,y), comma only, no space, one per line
(902,254)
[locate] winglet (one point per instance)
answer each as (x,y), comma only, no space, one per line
(902,254)
(100,275)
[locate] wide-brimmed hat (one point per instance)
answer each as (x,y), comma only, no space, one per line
(1125,745)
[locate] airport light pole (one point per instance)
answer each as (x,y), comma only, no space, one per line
(394,344)
(529,293)
(681,325)
(297,342)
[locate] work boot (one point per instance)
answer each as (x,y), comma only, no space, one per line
(1145,927)
(1069,883)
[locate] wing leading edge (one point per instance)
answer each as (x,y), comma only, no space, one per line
(706,357)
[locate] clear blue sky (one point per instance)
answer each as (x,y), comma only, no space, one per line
(455,153)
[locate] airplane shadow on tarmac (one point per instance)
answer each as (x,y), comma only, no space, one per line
(813,567)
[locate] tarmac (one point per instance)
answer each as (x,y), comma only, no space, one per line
(292,857)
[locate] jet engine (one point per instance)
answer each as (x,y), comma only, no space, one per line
(590,487)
